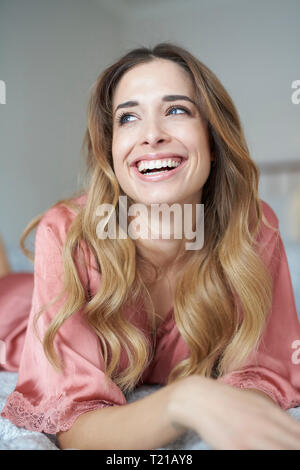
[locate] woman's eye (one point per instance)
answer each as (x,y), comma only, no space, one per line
(122,119)
(180,108)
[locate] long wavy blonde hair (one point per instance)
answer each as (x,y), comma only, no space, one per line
(225,278)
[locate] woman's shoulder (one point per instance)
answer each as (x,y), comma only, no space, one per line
(269,214)
(59,217)
(269,233)
(51,235)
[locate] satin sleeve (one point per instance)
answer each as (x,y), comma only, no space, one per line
(45,400)
(275,368)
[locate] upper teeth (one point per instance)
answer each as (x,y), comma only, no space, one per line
(150,165)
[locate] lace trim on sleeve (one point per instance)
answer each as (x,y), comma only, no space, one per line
(51,415)
(249,379)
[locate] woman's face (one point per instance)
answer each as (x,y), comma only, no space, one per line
(154,126)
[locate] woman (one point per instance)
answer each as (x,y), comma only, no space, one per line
(215,325)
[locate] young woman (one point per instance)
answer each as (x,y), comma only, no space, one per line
(216,325)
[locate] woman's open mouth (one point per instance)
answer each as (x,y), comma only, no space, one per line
(158,170)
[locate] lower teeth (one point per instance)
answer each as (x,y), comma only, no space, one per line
(154,172)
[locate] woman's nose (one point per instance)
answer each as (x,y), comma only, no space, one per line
(153,132)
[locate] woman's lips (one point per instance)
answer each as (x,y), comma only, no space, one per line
(159,176)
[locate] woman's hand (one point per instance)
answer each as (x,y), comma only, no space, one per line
(229,418)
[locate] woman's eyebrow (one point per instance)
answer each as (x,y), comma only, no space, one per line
(130,104)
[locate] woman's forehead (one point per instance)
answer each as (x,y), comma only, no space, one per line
(155,78)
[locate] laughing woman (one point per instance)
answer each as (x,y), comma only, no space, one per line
(216,325)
